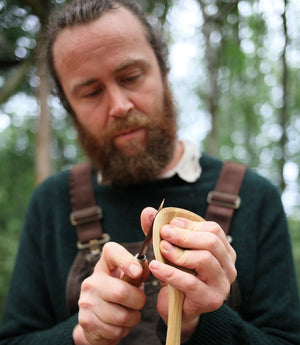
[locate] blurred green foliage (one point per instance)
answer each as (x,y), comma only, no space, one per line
(16,184)
(17,179)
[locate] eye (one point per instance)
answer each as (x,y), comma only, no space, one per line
(92,93)
(130,79)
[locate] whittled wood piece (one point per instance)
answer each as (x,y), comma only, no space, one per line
(176,296)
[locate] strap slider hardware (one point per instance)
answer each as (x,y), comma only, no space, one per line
(224,200)
(86,215)
(95,245)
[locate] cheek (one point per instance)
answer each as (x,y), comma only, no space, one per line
(150,100)
(91,118)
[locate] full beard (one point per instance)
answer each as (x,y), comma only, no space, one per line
(143,164)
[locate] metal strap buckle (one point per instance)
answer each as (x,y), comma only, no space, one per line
(224,200)
(86,215)
(95,245)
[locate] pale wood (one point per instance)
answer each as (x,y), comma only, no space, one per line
(176,297)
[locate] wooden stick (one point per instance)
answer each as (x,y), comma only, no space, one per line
(175,301)
(176,297)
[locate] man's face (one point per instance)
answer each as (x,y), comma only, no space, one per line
(123,108)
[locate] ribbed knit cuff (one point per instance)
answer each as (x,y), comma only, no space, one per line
(63,334)
(214,327)
(60,334)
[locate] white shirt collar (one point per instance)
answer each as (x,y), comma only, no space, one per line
(188,168)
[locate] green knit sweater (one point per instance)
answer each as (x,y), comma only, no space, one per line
(36,310)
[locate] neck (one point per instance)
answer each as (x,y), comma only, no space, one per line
(178,152)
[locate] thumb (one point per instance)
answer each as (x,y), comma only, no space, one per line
(147,217)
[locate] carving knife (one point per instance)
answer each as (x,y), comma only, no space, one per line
(141,256)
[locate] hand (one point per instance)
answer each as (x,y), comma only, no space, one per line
(203,248)
(109,306)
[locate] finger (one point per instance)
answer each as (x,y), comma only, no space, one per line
(113,290)
(202,262)
(172,275)
(203,236)
(207,265)
(98,332)
(116,258)
(117,315)
(206,226)
(200,296)
(147,217)
(138,281)
(197,241)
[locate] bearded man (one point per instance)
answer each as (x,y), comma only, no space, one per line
(110,69)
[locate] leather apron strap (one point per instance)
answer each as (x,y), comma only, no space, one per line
(86,214)
(224,199)
(86,217)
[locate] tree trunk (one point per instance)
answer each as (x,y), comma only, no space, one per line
(43,144)
(212,93)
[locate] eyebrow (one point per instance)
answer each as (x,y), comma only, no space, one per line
(132,62)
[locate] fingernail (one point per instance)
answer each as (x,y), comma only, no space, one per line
(155,264)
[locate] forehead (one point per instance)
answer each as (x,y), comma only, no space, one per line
(115,30)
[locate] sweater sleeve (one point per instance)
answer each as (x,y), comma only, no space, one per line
(59,334)
(270,311)
(35,312)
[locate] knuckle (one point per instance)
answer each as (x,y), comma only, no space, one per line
(86,285)
(108,246)
(218,297)
(232,274)
(122,317)
(216,229)
(206,258)
(215,302)
(212,243)
(226,289)
(182,257)
(86,321)
(83,304)
(170,274)
(120,294)
(126,317)
(193,226)
(232,254)
(192,284)
(184,236)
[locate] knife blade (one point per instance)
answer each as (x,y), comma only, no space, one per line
(148,238)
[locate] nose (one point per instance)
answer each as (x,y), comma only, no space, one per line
(119,103)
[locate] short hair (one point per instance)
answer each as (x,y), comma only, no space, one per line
(85,11)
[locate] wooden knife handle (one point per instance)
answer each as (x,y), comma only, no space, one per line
(138,281)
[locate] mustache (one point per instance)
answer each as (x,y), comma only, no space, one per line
(129,122)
